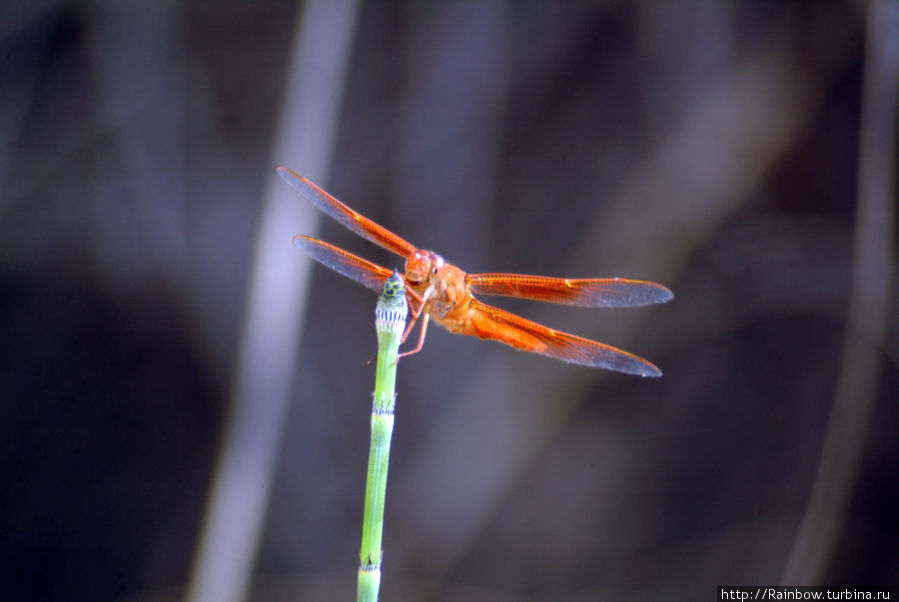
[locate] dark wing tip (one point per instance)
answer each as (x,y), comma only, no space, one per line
(289,176)
(300,241)
(651,371)
(629,364)
(665,295)
(651,293)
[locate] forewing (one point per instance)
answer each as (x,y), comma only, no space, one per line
(356,222)
(582,292)
(361,270)
(499,325)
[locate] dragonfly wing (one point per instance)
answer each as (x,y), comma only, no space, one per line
(496,324)
(582,292)
(361,270)
(356,222)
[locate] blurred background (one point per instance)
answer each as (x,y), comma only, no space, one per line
(185,401)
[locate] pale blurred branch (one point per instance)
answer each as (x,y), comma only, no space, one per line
(276,301)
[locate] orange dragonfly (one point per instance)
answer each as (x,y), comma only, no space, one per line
(443,292)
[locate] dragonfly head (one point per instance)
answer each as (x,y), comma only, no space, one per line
(421,265)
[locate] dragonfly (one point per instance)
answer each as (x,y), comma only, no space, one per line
(438,290)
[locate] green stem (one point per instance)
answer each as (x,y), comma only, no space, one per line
(390,321)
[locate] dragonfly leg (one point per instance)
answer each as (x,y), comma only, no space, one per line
(415,314)
(421,339)
(410,295)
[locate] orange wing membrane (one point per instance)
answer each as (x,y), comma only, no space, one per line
(442,292)
(355,222)
(366,273)
(493,323)
(582,292)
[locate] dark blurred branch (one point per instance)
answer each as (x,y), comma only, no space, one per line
(146,120)
(693,182)
(868,309)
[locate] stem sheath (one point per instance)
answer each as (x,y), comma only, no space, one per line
(390,321)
